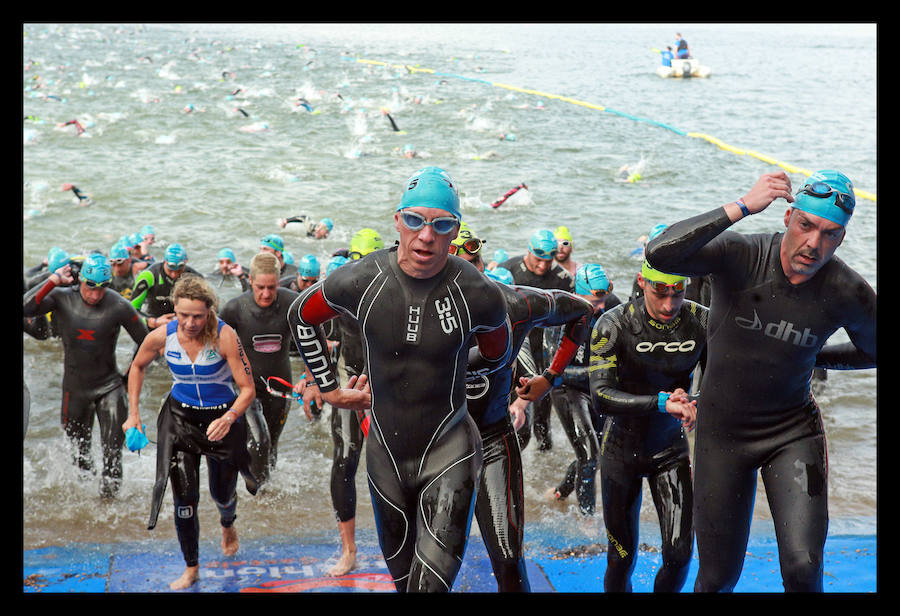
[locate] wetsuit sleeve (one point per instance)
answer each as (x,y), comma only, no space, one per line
(39,300)
(604,381)
(305,316)
(142,285)
(132,321)
(687,247)
(573,313)
(492,330)
(861,352)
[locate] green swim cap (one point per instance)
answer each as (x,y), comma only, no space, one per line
(365,241)
(657,276)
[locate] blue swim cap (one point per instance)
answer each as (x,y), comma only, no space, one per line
(227,253)
(147,230)
(335,263)
(135,239)
(176,256)
(309,267)
(656,231)
(835,200)
(273,241)
(543,244)
(135,440)
(500,255)
(500,274)
(288,257)
(431,187)
(329,224)
(118,251)
(590,277)
(95,268)
(57,259)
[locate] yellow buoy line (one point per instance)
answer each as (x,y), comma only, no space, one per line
(862,194)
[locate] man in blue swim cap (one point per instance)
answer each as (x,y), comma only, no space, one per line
(777,298)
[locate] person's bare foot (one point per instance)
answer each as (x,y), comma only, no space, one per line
(553,495)
(187,579)
(229,541)
(344,565)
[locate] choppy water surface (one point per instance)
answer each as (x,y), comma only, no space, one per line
(248,154)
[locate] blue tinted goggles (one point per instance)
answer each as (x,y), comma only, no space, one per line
(417,222)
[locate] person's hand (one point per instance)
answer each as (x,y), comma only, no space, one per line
(681,407)
(132,422)
(309,393)
(356,396)
(218,428)
(163,319)
(768,187)
(236,269)
(64,275)
(282,222)
(534,388)
(517,411)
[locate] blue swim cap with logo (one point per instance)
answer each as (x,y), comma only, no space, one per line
(828,194)
(500,274)
(309,267)
(273,241)
(431,187)
(543,244)
(96,269)
(227,253)
(176,256)
(590,277)
(57,259)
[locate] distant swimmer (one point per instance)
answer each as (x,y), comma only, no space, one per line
(394,126)
(302,102)
(88,319)
(318,230)
(202,416)
(83,199)
(75,123)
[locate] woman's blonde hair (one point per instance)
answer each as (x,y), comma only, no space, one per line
(264,263)
(190,286)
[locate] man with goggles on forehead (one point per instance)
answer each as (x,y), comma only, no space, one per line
(536,269)
(88,319)
(418,307)
(153,286)
(776,299)
(643,354)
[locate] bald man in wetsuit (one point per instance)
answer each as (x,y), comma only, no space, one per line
(88,319)
(776,299)
(418,308)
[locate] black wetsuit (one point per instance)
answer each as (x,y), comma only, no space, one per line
(92,384)
(153,288)
(228,286)
(757,410)
(555,278)
(266,338)
(583,426)
(633,359)
(423,450)
(500,505)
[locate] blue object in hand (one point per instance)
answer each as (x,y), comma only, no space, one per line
(135,440)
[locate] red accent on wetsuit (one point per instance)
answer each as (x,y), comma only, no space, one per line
(316,310)
(564,354)
(48,286)
(493,344)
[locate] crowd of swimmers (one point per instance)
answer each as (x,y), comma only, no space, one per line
(445,362)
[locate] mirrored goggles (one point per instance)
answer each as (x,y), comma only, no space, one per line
(471,246)
(662,287)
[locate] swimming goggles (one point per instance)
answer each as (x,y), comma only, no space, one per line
(471,246)
(355,254)
(540,253)
(176,266)
(416,222)
(289,394)
(822,190)
(95,285)
(661,287)
(119,261)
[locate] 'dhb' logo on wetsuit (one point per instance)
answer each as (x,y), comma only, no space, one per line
(782,330)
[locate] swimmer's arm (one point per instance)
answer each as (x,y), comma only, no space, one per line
(305,317)
(142,284)
(233,351)
(861,352)
(39,300)
(606,396)
(134,323)
(149,350)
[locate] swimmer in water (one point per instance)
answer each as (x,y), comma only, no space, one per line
(318,230)
(202,416)
(776,297)
(88,320)
(153,286)
(83,199)
(424,450)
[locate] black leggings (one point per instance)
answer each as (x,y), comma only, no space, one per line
(77,416)
(348,441)
(573,407)
(423,508)
(793,466)
(500,506)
